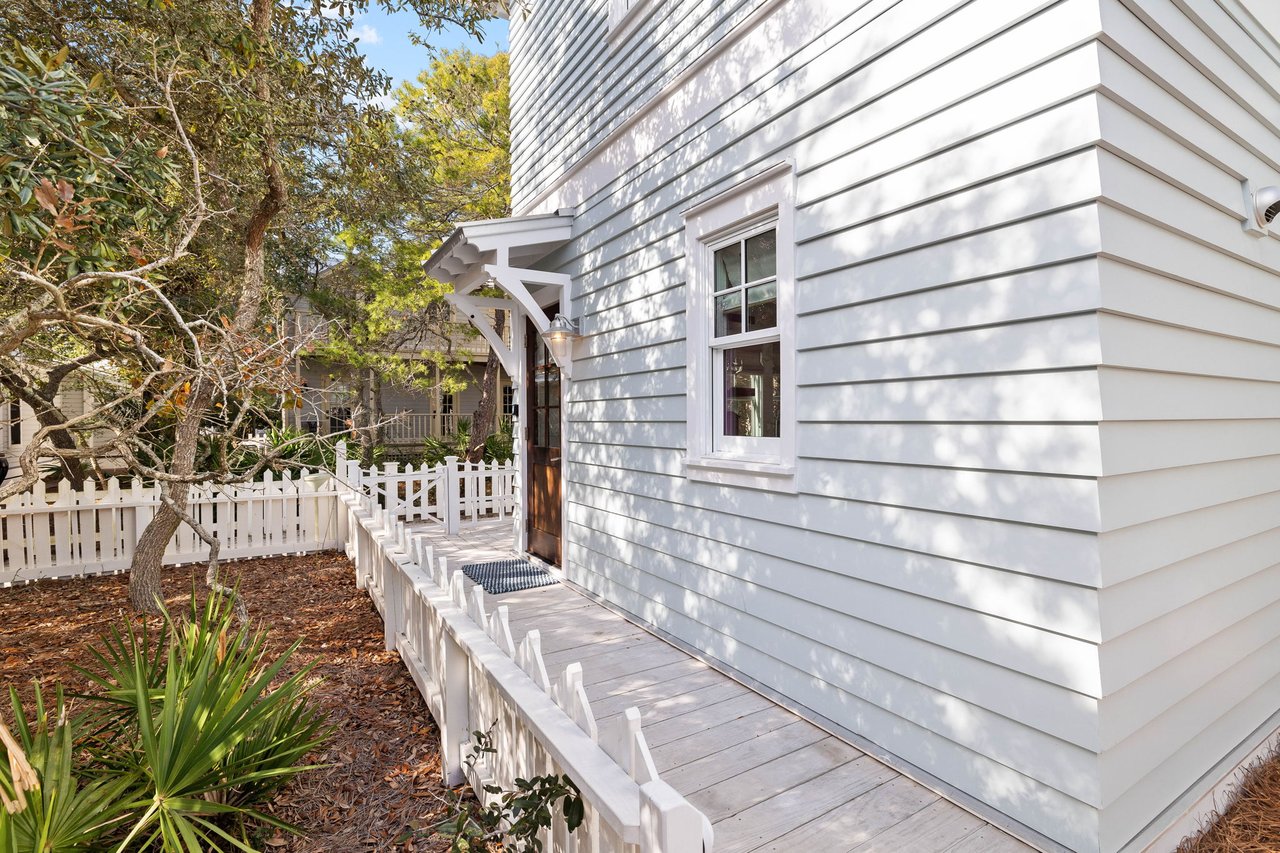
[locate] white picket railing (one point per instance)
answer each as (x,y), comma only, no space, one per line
(447,494)
(65,533)
(474,674)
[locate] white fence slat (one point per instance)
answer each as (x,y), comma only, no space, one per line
(64,533)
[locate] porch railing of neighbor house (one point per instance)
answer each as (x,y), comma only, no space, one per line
(476,677)
(49,533)
(409,427)
(414,427)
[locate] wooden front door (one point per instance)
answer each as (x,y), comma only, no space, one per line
(543,444)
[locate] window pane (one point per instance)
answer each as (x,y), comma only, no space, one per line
(729,314)
(728,263)
(762,256)
(752,391)
(762,306)
(553,426)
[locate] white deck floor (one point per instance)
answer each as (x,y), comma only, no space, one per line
(767,779)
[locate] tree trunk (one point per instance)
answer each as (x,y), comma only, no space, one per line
(62,439)
(148,557)
(40,399)
(486,413)
(376,411)
(362,419)
(144,570)
(145,591)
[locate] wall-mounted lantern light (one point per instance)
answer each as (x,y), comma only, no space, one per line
(560,337)
(1266,205)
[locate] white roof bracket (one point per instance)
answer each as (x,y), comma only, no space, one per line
(472,307)
(516,283)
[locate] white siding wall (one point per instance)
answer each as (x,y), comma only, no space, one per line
(1034,549)
(1191,405)
(932,587)
(561,62)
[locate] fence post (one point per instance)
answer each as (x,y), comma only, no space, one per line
(668,822)
(455,728)
(452,498)
(339,489)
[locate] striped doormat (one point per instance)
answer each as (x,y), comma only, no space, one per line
(508,576)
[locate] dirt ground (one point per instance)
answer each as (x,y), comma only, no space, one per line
(383,792)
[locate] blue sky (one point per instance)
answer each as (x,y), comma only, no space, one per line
(384,39)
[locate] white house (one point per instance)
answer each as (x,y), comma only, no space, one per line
(927,377)
(410,414)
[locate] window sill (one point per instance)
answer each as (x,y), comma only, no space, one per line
(747,473)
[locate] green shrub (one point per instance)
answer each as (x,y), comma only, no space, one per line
(181,743)
(292,448)
(47,803)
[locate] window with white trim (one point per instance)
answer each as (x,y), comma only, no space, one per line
(740,334)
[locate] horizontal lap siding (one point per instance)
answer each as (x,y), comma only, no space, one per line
(1190,390)
(562,60)
(931,585)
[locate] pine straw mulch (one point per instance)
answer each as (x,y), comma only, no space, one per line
(384,790)
(1250,821)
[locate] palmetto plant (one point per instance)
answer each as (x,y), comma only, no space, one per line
(185,738)
(47,805)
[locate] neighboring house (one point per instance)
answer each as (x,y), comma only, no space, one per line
(18,427)
(410,414)
(928,373)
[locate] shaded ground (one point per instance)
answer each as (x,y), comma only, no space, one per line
(384,791)
(1250,823)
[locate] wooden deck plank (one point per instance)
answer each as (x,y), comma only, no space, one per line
(780,814)
(858,820)
(626,684)
(745,790)
(573,618)
(544,599)
(629,661)
(644,697)
(989,839)
(704,718)
(933,829)
(674,706)
(599,647)
(687,749)
(742,757)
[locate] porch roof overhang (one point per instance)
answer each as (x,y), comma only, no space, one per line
(500,253)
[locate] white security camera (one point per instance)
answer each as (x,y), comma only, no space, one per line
(1266,205)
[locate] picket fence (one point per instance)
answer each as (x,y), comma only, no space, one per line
(474,676)
(63,533)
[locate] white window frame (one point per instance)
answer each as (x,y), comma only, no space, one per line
(763,201)
(625,17)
